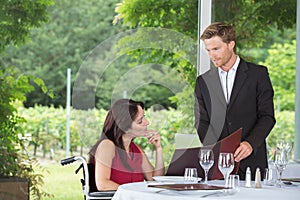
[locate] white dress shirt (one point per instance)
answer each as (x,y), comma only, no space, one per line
(227,79)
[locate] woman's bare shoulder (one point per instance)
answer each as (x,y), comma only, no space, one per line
(106,146)
(106,143)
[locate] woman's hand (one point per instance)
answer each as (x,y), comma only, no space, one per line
(153,138)
(159,169)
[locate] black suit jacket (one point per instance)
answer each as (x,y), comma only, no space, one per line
(250,107)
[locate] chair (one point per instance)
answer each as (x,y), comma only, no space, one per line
(89,188)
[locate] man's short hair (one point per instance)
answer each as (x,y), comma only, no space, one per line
(225,31)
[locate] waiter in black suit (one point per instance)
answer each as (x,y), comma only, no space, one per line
(234,94)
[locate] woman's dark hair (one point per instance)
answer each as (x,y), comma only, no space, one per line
(118,120)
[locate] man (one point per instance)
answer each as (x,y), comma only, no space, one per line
(234,94)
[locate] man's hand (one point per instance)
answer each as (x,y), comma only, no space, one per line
(243,151)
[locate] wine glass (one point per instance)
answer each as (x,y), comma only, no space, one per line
(206,160)
(226,165)
(281,160)
(284,145)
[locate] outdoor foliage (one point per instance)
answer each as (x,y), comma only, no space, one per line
(45,129)
(281,62)
(254,20)
(86,128)
(75,28)
(68,38)
(282,131)
(14,160)
(66,41)
(260,54)
(17,19)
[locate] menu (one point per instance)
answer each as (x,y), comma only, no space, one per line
(184,158)
(182,187)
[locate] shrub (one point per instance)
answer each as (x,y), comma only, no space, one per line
(13,160)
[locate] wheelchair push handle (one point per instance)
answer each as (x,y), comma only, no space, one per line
(67,160)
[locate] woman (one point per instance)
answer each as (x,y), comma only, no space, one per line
(117,158)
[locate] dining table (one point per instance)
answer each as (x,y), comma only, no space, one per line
(148,190)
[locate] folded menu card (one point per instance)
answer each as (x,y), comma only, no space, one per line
(183,158)
(292,179)
(182,187)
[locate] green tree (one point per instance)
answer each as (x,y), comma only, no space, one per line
(260,54)
(14,160)
(74,29)
(282,68)
(17,19)
(69,38)
(252,19)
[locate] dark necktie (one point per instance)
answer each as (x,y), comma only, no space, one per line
(227,94)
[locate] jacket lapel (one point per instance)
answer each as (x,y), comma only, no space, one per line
(239,81)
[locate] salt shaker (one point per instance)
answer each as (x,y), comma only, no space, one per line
(257,178)
(248,177)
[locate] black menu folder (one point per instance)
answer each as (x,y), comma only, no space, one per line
(184,187)
(184,158)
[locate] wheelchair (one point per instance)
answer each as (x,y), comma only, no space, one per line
(89,188)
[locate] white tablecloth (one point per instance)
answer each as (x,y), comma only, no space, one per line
(140,191)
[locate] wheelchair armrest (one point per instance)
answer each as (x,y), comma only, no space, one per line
(67,160)
(109,193)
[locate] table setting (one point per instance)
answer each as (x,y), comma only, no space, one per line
(166,190)
(268,184)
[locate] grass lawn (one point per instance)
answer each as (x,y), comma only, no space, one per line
(62,182)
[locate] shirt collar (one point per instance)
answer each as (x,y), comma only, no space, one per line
(236,64)
(234,67)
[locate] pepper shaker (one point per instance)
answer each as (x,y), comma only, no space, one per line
(257,178)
